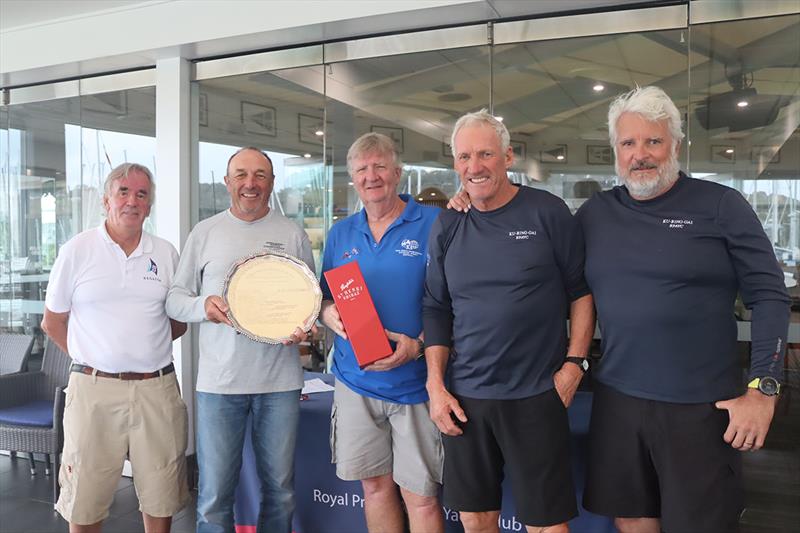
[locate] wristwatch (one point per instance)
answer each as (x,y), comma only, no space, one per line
(582,362)
(420,348)
(767,385)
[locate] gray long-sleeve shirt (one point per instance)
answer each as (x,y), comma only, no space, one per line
(231,363)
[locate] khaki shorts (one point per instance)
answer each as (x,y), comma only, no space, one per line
(371,438)
(107,420)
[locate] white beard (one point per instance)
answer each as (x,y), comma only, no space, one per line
(645,189)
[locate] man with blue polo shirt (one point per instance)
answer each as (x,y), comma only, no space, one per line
(380,430)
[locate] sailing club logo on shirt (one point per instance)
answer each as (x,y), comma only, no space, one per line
(522,234)
(677,223)
(350,253)
(271,246)
(409,248)
(152,269)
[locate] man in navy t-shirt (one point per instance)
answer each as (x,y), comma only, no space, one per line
(502,279)
(666,255)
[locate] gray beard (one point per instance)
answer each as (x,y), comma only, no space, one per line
(666,176)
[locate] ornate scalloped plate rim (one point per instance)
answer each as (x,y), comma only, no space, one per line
(291,259)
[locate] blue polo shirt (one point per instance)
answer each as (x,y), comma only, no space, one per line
(394,270)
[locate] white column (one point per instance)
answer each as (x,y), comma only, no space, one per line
(173,178)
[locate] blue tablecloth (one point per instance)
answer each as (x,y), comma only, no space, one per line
(326,504)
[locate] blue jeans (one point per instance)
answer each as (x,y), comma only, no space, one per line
(221,426)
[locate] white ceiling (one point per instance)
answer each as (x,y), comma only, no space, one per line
(24,13)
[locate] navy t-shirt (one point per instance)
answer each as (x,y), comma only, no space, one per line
(664,274)
(499,284)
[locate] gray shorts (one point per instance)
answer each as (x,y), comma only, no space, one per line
(371,438)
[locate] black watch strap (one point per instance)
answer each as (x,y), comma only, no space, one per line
(420,348)
(582,362)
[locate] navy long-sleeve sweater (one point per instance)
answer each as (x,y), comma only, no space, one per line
(664,274)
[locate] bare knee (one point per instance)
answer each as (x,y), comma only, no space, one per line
(557,528)
(419,502)
(375,487)
(637,525)
(480,522)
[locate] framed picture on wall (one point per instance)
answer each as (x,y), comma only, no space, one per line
(765,154)
(113,103)
(447,151)
(395,134)
(310,129)
(202,113)
(554,154)
(259,119)
(723,153)
(520,150)
(598,155)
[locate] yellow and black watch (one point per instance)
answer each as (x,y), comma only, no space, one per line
(767,385)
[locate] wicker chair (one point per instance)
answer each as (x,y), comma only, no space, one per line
(32,409)
(14,352)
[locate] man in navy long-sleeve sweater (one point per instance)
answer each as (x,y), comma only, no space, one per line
(666,255)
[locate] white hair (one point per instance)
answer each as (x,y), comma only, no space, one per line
(482,117)
(650,102)
(122,171)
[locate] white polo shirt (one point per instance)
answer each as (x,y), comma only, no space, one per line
(117,321)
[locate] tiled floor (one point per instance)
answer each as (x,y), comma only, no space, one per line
(26,504)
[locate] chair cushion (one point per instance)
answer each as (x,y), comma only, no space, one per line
(36,413)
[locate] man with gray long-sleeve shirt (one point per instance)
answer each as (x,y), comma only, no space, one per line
(238,376)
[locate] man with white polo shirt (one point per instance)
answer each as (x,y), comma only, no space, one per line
(105,307)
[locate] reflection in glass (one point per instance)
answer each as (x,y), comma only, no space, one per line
(554,97)
(745,122)
(415,99)
(55,157)
(283,117)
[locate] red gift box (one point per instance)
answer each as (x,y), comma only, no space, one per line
(361,322)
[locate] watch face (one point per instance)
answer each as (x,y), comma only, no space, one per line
(768,386)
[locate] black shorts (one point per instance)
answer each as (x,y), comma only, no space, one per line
(662,460)
(531,436)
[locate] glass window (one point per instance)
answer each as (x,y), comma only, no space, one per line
(413,98)
(745,122)
(280,112)
(554,97)
(55,157)
(39,216)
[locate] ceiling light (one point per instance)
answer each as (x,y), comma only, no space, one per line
(307,156)
(729,151)
(560,157)
(319,133)
(598,87)
(743,103)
